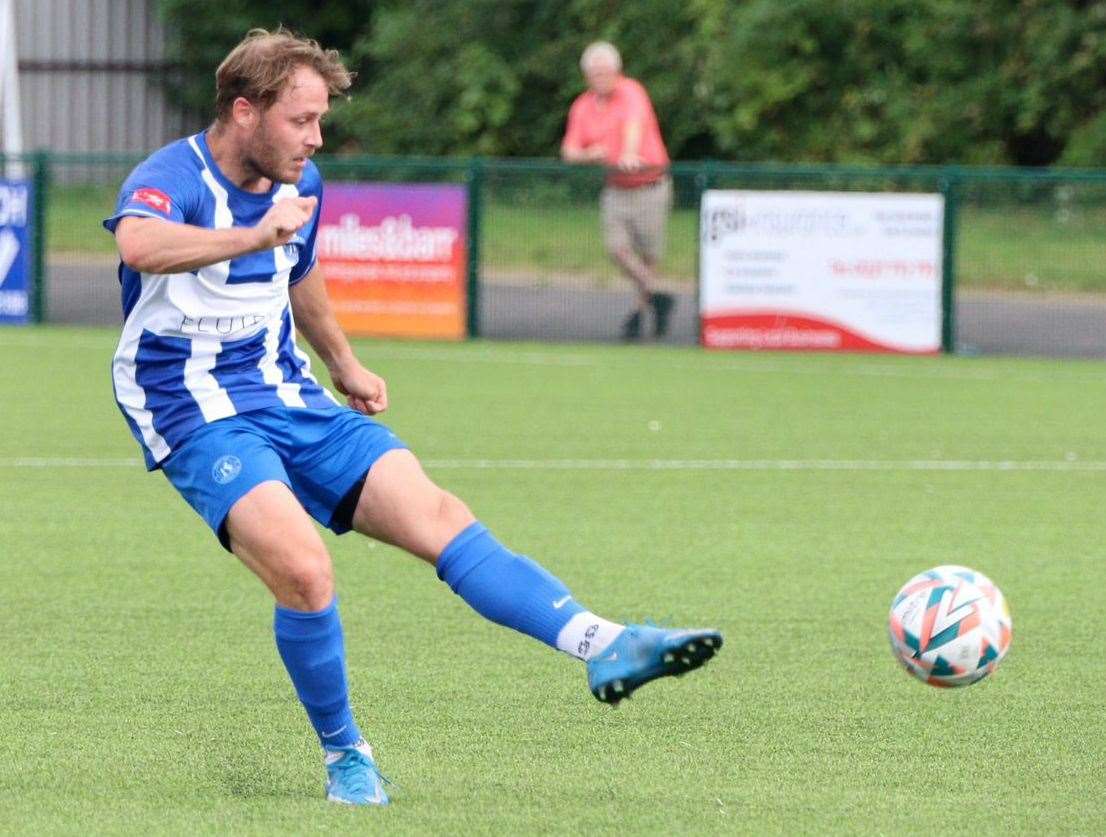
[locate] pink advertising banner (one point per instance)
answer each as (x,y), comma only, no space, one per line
(394,257)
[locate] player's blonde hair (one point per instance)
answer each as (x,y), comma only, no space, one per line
(259,67)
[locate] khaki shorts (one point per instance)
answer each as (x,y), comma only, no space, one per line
(635,219)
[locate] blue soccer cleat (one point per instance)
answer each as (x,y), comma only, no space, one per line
(642,653)
(352,777)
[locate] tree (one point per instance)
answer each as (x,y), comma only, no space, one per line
(892,81)
(496,77)
(198,41)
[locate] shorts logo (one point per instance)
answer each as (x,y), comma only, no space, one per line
(226,468)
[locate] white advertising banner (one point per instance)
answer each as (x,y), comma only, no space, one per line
(825,271)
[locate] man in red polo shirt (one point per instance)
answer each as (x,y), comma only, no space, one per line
(612,123)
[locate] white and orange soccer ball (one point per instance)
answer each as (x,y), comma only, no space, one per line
(950,626)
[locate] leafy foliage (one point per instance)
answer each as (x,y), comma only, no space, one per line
(198,41)
(906,81)
(924,81)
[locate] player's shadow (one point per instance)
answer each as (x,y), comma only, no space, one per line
(250,781)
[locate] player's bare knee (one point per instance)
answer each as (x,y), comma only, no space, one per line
(307,583)
(453,515)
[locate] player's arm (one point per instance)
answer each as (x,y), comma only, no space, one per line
(154,245)
(315,320)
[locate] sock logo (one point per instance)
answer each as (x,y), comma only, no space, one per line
(562,602)
(585,643)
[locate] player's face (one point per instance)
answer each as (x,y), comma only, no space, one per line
(290,130)
(601,76)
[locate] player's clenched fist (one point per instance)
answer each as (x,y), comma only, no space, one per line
(366,392)
(280,223)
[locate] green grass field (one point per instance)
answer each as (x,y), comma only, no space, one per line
(140,690)
(1025,249)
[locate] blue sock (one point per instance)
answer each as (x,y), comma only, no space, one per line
(508,589)
(314,653)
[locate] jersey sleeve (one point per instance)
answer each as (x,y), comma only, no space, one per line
(635,100)
(574,130)
(307,256)
(156,189)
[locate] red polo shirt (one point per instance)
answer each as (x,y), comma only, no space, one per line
(596,121)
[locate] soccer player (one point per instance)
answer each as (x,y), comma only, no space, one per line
(216,235)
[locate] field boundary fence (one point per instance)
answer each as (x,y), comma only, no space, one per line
(1023,262)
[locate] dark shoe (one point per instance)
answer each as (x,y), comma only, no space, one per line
(631,329)
(662,306)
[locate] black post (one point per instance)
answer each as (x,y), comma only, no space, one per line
(475,211)
(41,179)
(950,188)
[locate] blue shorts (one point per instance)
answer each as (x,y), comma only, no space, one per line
(322,455)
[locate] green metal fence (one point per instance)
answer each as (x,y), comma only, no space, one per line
(1024,261)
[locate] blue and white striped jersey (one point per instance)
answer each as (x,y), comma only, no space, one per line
(197,347)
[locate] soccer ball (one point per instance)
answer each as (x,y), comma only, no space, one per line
(950,626)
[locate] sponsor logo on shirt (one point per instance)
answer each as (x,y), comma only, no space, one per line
(220,326)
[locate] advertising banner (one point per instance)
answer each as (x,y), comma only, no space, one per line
(824,271)
(15,252)
(394,257)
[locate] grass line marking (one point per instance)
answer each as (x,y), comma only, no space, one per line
(1064,465)
(764,465)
